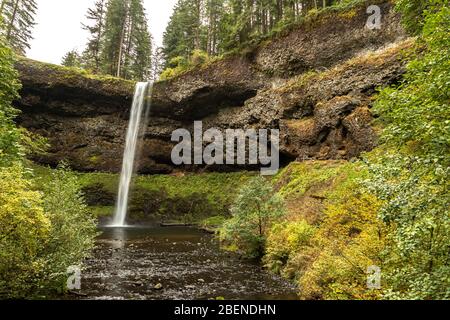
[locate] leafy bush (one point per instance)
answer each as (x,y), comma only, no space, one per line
(284,241)
(176,66)
(42,233)
(327,257)
(348,241)
(414,12)
(73,229)
(179,65)
(25,230)
(199,57)
(255,210)
(411,172)
(10,148)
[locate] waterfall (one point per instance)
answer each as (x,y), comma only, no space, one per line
(139,115)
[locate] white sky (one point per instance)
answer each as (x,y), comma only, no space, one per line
(58,28)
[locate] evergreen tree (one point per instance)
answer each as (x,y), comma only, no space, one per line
(96,15)
(214,12)
(183,34)
(126,42)
(71,59)
(157,64)
(114,36)
(217,26)
(18,18)
(138,54)
(10,136)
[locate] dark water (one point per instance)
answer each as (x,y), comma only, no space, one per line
(133,263)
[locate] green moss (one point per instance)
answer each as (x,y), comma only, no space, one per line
(102,211)
(213,222)
(67,74)
(95,159)
(298,178)
(209,194)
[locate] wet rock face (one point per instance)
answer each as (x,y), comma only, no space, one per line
(314,83)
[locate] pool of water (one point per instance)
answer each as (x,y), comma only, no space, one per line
(173,263)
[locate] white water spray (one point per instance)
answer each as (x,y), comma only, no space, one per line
(139,114)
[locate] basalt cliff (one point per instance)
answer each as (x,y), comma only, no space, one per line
(314,82)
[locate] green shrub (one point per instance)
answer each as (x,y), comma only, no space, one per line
(199,57)
(175,67)
(284,241)
(42,233)
(179,65)
(328,259)
(178,62)
(72,232)
(410,173)
(255,210)
(348,241)
(10,148)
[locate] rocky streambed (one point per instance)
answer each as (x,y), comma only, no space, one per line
(174,263)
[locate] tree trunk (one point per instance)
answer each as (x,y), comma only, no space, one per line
(99,38)
(122,40)
(197,29)
(119,58)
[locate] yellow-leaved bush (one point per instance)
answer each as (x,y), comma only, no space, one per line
(24,229)
(327,256)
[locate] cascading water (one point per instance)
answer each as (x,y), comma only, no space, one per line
(139,115)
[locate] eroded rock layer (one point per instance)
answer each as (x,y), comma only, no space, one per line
(315,83)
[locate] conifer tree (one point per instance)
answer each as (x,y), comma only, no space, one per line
(18,22)
(126,44)
(95,15)
(217,26)
(157,64)
(114,36)
(71,59)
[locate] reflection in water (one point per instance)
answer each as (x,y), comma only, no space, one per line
(173,263)
(119,237)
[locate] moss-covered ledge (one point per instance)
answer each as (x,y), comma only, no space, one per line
(70,91)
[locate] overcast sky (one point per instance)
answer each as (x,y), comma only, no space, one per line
(58,28)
